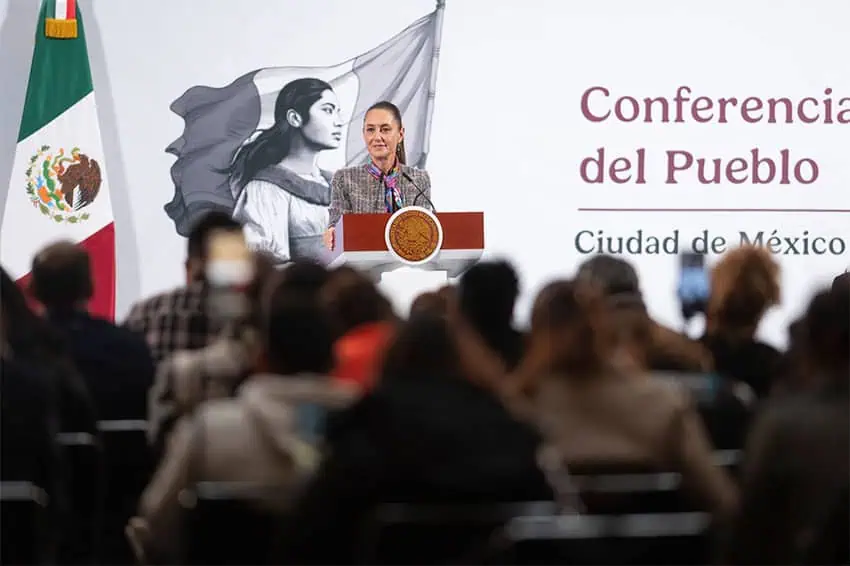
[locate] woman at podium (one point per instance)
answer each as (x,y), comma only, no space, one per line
(385,183)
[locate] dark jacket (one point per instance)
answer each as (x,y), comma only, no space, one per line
(114,362)
(414,439)
(795,482)
(755,363)
(117,368)
(29,421)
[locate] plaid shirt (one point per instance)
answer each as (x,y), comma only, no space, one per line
(171,322)
(174,321)
(355,190)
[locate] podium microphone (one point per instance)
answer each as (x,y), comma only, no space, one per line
(419,192)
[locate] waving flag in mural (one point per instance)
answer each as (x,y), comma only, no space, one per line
(220,121)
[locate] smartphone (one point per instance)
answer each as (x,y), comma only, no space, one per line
(694,284)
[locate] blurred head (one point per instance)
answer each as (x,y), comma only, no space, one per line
(611,275)
(383,132)
(744,285)
(431,303)
(13,307)
(27,335)
(487,294)
(353,300)
(423,346)
(826,333)
(628,320)
(641,342)
(630,331)
(842,281)
(297,334)
(305,276)
(61,277)
(212,223)
(229,262)
(568,332)
(442,302)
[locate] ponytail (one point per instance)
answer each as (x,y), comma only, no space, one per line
(270,147)
(400,153)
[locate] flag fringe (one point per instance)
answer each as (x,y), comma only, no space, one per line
(60,29)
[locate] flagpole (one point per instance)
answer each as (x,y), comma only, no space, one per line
(432,87)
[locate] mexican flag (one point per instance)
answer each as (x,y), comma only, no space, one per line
(59,189)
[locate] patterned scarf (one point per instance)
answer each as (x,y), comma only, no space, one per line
(392,194)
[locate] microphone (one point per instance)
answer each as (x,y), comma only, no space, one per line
(419,192)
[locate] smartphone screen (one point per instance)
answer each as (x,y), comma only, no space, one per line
(694,284)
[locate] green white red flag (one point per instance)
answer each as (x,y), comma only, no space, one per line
(59,189)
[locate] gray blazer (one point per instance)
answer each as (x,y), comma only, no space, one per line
(355,190)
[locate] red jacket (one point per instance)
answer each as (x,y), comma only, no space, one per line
(359,353)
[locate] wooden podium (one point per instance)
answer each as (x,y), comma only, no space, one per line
(411,251)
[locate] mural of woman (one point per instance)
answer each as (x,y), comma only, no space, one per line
(282,196)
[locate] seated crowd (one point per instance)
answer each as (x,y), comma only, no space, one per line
(290,416)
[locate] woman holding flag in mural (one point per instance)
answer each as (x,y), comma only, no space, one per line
(282,196)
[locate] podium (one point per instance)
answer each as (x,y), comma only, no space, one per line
(411,251)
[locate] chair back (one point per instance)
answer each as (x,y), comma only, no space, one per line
(226,523)
(127,458)
(726,406)
(129,465)
(84,475)
(438,534)
(639,538)
(25,536)
(607,489)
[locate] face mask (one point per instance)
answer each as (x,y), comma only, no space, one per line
(229,273)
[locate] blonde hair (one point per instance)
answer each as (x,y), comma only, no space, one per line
(744,285)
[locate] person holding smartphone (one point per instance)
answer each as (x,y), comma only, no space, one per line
(744,286)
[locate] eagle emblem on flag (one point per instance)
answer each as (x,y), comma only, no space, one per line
(62,184)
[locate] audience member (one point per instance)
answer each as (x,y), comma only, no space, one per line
(744,285)
(301,383)
(305,276)
(190,377)
(424,434)
(436,303)
(117,369)
(796,476)
(593,413)
(666,349)
(179,319)
(29,423)
(115,364)
(263,436)
(36,344)
(364,325)
(486,297)
(32,340)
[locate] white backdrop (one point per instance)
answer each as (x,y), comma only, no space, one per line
(508,133)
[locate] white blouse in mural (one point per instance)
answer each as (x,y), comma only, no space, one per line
(272,217)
